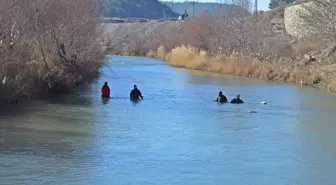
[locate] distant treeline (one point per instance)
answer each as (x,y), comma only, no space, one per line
(150,9)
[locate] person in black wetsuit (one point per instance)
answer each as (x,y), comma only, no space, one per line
(237,100)
(135,94)
(221,98)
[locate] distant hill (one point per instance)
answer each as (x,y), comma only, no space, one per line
(150,9)
(200,8)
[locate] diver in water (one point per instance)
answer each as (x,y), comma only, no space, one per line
(237,100)
(221,98)
(135,94)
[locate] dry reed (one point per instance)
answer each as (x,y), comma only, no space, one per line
(240,65)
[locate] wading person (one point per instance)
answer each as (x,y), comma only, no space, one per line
(105,91)
(237,100)
(135,94)
(221,98)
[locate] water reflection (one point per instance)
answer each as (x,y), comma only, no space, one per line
(56,121)
(135,102)
(105,100)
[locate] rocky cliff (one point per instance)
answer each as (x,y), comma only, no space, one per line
(295,25)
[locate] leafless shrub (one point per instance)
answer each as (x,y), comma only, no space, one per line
(47,45)
(240,65)
(273,46)
(304,46)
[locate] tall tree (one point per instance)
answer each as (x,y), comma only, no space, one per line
(277,3)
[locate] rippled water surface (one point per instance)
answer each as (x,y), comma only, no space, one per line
(177,135)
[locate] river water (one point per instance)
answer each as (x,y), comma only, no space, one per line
(177,135)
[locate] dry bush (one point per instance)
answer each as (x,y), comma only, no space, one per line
(151,54)
(198,32)
(305,46)
(161,53)
(187,56)
(274,46)
(47,45)
(240,65)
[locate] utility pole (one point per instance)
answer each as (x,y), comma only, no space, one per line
(193,3)
(256,9)
(255,5)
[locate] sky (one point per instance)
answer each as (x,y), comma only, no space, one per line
(262,4)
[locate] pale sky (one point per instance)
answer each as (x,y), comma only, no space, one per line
(262,5)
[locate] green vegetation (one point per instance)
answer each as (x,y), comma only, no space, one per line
(151,9)
(277,3)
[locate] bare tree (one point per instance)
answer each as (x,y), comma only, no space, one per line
(199,32)
(53,43)
(233,25)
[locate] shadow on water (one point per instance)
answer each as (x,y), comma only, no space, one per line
(48,127)
(79,97)
(135,102)
(105,100)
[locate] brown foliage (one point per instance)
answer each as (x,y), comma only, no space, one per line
(47,45)
(240,65)
(233,29)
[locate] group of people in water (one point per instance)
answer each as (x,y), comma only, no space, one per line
(136,95)
(222,99)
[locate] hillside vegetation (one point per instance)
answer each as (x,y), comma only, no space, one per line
(238,43)
(150,9)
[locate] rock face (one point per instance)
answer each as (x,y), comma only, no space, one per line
(295,25)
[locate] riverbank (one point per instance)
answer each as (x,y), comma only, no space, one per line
(258,46)
(282,69)
(38,57)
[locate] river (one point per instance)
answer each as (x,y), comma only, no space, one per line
(177,135)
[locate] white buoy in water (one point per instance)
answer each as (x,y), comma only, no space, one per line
(263,102)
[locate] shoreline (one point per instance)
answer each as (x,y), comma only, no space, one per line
(321,85)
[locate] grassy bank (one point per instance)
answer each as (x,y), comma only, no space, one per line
(47,46)
(281,69)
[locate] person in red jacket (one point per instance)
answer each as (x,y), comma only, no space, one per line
(105,91)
